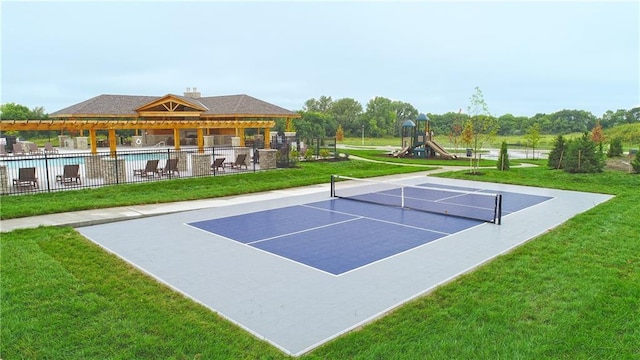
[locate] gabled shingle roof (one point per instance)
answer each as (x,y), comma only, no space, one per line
(217,105)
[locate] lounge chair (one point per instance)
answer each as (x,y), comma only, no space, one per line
(240,162)
(150,168)
(48,148)
(3,151)
(170,167)
(26,178)
(70,175)
(33,148)
(218,164)
(18,149)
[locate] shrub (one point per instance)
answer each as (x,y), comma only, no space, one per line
(557,153)
(503,159)
(615,148)
(582,156)
(324,153)
(308,154)
(636,163)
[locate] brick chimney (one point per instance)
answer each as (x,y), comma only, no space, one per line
(192,94)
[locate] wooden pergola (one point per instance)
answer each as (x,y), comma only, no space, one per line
(234,113)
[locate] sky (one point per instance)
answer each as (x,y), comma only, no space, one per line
(526,57)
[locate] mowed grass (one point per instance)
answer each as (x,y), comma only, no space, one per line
(572,293)
(308,173)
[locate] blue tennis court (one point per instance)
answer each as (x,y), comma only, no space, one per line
(339,235)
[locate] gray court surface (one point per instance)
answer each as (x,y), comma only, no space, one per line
(296,307)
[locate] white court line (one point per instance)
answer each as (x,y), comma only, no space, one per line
(380,220)
(304,231)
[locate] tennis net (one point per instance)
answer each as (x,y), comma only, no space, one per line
(477,204)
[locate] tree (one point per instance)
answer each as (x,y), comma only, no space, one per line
(484,125)
(346,112)
(315,125)
(454,135)
(615,148)
(503,159)
(597,136)
(322,105)
(339,133)
(582,156)
(636,163)
(13,111)
(533,138)
(403,112)
(556,155)
(380,117)
(467,134)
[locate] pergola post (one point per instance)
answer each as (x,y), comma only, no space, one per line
(93,141)
(200,140)
(176,138)
(267,138)
(112,142)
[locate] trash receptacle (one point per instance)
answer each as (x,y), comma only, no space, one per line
(469,152)
(8,142)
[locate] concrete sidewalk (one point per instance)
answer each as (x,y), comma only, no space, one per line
(106,215)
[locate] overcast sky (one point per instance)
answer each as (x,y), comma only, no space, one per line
(526,57)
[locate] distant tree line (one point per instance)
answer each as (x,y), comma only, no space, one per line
(383,117)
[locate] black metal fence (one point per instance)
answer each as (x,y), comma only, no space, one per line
(48,172)
(291,150)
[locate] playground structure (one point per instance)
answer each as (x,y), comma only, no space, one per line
(417,141)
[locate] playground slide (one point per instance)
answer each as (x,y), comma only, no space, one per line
(402,152)
(440,150)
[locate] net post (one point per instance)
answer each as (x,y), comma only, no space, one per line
(498,217)
(333,186)
(402,196)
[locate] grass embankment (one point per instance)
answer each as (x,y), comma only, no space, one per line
(573,293)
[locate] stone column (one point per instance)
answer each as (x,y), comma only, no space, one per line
(115,171)
(267,158)
(246,151)
(209,141)
(183,160)
(62,140)
(93,166)
(200,164)
(82,143)
(136,141)
(4,180)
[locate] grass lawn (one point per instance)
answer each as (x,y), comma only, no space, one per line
(572,293)
(514,141)
(308,173)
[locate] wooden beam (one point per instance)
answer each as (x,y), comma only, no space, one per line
(176,138)
(112,142)
(92,139)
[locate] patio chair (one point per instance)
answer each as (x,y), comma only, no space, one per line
(3,151)
(218,164)
(170,167)
(70,175)
(26,178)
(150,169)
(240,162)
(33,148)
(48,148)
(18,149)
